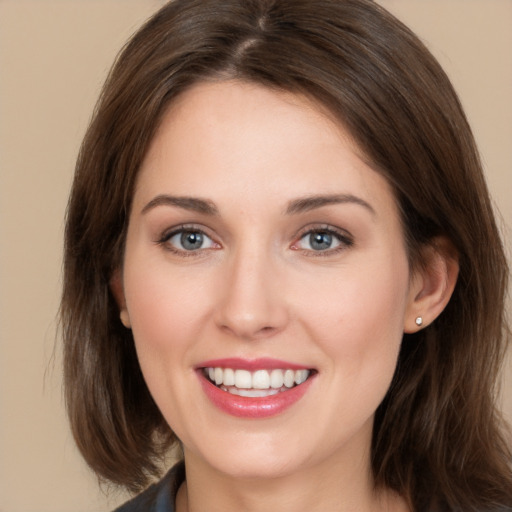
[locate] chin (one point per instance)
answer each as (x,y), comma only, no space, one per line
(252,460)
(264,468)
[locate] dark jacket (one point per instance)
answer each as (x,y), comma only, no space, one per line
(159,497)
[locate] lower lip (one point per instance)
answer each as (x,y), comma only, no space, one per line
(253,407)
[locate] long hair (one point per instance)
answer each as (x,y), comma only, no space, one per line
(438,439)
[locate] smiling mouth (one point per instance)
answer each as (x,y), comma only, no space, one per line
(259,383)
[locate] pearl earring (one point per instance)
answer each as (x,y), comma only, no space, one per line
(419,321)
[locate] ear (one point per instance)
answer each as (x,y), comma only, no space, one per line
(432,284)
(117,289)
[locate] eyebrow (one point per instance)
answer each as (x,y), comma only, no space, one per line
(187,203)
(300,205)
(308,203)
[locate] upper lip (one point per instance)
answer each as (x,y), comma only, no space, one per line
(262,363)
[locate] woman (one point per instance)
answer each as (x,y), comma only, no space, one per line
(281,255)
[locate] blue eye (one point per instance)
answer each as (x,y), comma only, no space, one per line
(322,240)
(189,240)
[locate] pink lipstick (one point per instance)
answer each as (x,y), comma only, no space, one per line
(257,388)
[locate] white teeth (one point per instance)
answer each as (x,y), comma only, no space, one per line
(219,376)
(289,378)
(260,380)
(301,376)
(277,379)
(251,392)
(229,377)
(243,379)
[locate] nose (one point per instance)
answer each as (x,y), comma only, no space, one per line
(252,300)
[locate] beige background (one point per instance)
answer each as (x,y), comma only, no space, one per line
(54,55)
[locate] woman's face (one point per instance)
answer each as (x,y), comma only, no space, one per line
(260,245)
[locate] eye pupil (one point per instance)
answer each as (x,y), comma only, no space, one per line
(191,240)
(320,241)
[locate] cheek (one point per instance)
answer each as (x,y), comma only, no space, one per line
(164,308)
(359,321)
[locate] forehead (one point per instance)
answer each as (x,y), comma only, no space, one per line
(225,137)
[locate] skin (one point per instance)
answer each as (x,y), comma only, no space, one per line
(258,288)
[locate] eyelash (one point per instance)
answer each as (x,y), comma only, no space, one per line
(344,239)
(168,235)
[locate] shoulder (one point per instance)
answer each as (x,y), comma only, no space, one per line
(159,497)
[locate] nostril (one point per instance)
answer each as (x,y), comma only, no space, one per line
(245,332)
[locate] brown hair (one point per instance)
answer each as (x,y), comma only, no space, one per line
(438,438)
